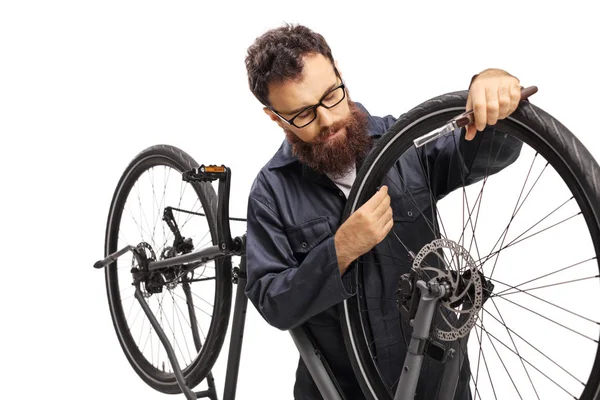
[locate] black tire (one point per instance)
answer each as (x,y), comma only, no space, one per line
(579,173)
(143,350)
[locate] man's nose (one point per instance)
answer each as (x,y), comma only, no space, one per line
(325,117)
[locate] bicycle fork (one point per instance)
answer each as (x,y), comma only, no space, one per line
(431,292)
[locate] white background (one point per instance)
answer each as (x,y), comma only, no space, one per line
(85,86)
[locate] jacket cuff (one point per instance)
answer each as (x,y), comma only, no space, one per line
(345,282)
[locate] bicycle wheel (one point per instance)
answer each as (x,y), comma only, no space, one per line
(518,211)
(195,322)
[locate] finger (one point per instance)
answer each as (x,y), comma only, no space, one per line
(376,199)
(492,108)
(386,216)
(382,208)
(515,97)
(469,105)
(503,101)
(471,132)
(387,228)
(477,94)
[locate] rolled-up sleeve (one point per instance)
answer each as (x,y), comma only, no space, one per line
(287,292)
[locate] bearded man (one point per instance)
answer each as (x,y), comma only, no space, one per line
(298,249)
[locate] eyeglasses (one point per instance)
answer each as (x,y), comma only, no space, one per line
(307,115)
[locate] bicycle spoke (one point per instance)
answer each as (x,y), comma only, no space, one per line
(465,201)
(482,355)
(479,198)
(537,223)
(133,301)
(141,332)
(433,202)
(546,286)
(198,308)
(548,319)
(546,275)
(190,215)
(148,337)
(143,213)
(464,353)
(164,195)
(166,319)
(540,299)
(176,308)
(139,312)
(470,221)
(155,207)
(182,188)
(160,319)
(501,360)
(533,366)
(513,213)
(140,227)
(195,306)
(152,347)
(543,354)
(515,346)
(512,243)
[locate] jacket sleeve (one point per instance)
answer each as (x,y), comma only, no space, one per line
(284,291)
(452,161)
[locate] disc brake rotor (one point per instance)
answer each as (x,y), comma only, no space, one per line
(458,310)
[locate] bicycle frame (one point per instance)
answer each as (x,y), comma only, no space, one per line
(227,246)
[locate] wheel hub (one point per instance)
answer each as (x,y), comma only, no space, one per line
(451,264)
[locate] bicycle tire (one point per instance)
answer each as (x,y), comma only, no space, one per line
(536,128)
(173,162)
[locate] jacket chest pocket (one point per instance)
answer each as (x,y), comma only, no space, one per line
(413,205)
(415,222)
(304,237)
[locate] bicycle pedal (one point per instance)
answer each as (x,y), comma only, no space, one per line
(205,173)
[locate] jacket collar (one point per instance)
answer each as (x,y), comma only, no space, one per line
(284,155)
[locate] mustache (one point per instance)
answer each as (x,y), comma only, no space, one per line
(326,132)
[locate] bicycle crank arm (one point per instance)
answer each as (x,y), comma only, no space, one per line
(113,257)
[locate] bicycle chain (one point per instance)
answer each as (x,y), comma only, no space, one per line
(204,215)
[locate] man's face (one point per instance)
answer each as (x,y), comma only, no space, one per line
(337,136)
(291,96)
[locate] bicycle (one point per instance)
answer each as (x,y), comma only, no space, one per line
(448,286)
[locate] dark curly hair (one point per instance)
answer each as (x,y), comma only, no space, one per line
(277,56)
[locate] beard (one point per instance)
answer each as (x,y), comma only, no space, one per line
(339,154)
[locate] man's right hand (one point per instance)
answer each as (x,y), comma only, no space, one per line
(364,229)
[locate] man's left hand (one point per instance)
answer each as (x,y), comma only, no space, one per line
(494,95)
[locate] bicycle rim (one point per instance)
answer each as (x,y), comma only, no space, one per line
(536,336)
(150,183)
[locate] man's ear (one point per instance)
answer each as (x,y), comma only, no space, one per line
(273,117)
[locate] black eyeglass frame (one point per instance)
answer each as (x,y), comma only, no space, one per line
(315,106)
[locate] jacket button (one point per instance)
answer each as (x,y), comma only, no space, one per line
(340,193)
(410,213)
(304,245)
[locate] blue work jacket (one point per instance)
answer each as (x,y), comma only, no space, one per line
(292,267)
